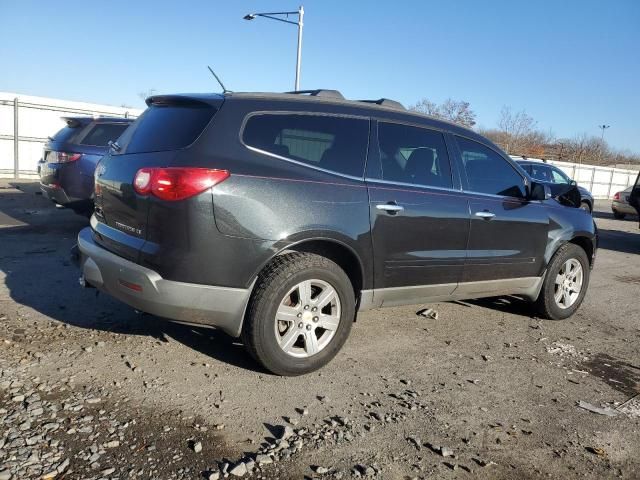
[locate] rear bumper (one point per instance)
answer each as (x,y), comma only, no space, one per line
(146,290)
(623,208)
(55,193)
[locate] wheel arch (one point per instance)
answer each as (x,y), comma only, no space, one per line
(339,252)
(582,241)
(586,244)
(589,202)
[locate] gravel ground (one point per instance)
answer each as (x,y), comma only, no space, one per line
(89,389)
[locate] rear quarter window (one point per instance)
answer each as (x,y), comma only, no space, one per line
(334,143)
(166,127)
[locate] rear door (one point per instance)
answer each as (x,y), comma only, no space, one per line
(419,217)
(508,233)
(634,196)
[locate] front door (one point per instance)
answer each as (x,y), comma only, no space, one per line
(508,233)
(634,197)
(419,222)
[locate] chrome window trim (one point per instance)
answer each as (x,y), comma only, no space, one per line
(493,195)
(414,185)
(296,162)
(302,164)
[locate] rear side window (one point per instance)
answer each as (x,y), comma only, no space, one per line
(100,134)
(166,127)
(413,155)
(330,142)
(488,172)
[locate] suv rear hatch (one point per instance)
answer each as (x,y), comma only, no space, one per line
(82,137)
(154,141)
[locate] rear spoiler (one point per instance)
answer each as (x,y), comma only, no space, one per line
(74,122)
(185,99)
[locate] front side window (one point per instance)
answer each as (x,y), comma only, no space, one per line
(488,172)
(413,155)
(559,176)
(334,143)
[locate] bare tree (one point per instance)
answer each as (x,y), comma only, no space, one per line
(427,107)
(515,128)
(456,111)
(146,93)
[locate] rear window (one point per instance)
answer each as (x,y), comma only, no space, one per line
(334,143)
(166,127)
(100,133)
(67,134)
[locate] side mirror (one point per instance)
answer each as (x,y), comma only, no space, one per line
(539,191)
(573,183)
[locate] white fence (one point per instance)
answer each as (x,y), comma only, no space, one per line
(602,182)
(26,122)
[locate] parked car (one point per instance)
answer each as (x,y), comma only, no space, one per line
(277,217)
(620,204)
(552,175)
(70,157)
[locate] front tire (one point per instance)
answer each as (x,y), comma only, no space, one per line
(585,206)
(565,283)
(300,314)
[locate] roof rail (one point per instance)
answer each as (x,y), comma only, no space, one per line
(318,93)
(385,102)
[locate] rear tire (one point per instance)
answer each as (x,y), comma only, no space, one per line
(618,215)
(565,283)
(296,296)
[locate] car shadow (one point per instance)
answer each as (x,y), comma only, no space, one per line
(36,239)
(609,216)
(619,241)
(505,303)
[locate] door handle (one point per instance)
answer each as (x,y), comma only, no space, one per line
(487,215)
(390,207)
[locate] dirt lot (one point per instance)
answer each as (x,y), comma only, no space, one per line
(91,389)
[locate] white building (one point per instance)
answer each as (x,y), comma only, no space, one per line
(26,122)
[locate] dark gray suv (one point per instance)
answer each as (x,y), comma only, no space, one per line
(277,217)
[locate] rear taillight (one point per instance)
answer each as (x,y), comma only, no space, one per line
(616,196)
(176,183)
(64,157)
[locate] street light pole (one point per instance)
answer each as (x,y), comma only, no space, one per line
(602,127)
(278,16)
(299,56)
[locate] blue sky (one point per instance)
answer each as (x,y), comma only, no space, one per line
(571,64)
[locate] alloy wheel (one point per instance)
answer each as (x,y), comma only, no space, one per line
(568,284)
(307,318)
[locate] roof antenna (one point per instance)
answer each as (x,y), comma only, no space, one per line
(224,90)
